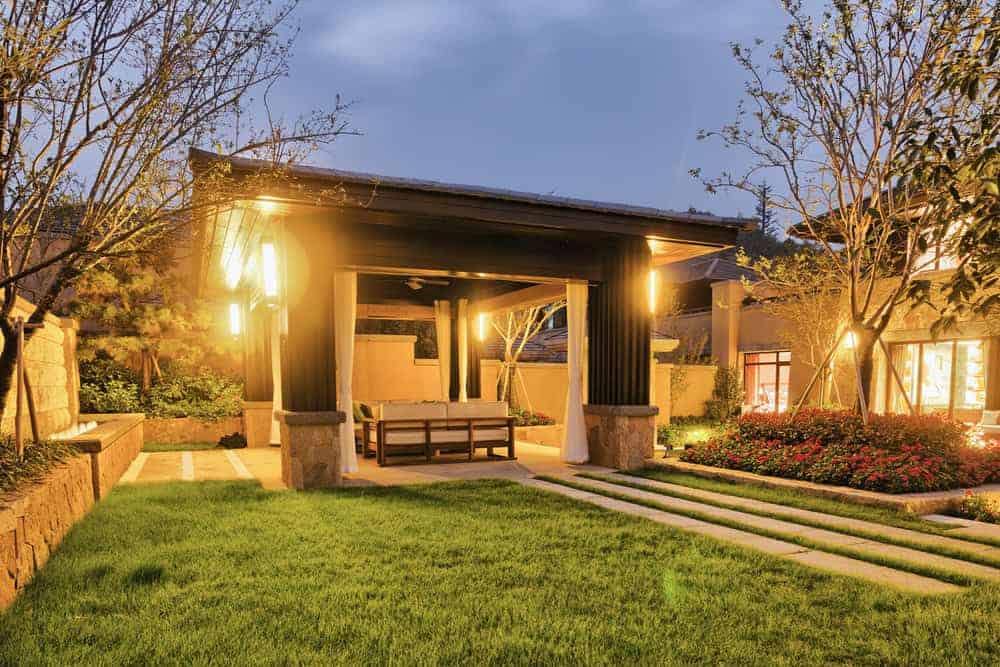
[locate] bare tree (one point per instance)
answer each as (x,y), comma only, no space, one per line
(100,101)
(833,112)
(515,329)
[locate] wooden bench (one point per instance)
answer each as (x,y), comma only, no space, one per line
(426,430)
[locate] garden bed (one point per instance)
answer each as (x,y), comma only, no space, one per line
(889,454)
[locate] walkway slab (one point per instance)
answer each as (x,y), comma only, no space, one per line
(820,560)
(831,520)
(819,535)
(967,527)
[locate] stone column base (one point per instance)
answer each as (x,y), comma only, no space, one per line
(257,423)
(620,436)
(310,449)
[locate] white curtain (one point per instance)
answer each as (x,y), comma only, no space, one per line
(442,327)
(345,306)
(275,438)
(463,350)
(574,445)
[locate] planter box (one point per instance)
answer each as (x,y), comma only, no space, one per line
(549,435)
(34,520)
(189,429)
(112,446)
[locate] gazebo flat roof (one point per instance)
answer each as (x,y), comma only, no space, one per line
(390,194)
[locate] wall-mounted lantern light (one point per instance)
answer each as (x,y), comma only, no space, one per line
(654,278)
(235,319)
(482,322)
(850,340)
(234,270)
(269,270)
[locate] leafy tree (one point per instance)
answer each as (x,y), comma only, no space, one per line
(144,311)
(836,112)
(100,101)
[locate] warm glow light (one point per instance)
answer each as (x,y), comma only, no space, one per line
(269,269)
(266,205)
(481,323)
(234,270)
(235,325)
(850,340)
(653,279)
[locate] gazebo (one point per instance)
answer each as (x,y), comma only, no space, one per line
(301,257)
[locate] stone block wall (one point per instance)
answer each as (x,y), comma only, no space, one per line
(34,522)
(620,436)
(189,429)
(50,357)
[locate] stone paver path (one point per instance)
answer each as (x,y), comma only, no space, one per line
(819,559)
(967,527)
(830,520)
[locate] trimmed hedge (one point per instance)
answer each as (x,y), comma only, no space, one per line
(891,453)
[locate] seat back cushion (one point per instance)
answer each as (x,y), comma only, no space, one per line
(991,418)
(477,410)
(416,410)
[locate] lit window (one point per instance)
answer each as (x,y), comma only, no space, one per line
(765,380)
(943,377)
(941,255)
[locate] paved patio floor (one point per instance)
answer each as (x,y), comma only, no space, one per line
(264,464)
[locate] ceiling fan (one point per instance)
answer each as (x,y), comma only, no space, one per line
(416,283)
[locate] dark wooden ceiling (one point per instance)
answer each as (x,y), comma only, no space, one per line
(392,289)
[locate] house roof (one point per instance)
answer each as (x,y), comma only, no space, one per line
(713,267)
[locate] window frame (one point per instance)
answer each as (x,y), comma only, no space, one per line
(778,364)
(917,401)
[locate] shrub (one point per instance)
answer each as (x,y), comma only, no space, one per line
(233,441)
(203,395)
(727,395)
(683,431)
(893,453)
(979,507)
(39,458)
(528,418)
(107,386)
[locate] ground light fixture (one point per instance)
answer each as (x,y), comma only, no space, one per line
(269,270)
(235,319)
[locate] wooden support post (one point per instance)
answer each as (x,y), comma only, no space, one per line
(819,371)
(23,388)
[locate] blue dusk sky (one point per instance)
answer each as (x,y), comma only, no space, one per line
(600,99)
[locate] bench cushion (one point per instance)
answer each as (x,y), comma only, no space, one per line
(477,410)
(482,434)
(416,410)
(991,417)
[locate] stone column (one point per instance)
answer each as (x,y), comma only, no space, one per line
(619,419)
(309,418)
(620,436)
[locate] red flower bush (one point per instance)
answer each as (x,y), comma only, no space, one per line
(893,453)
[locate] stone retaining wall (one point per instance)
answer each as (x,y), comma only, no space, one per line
(34,521)
(190,430)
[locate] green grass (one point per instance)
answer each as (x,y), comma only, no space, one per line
(178,446)
(805,501)
(467,572)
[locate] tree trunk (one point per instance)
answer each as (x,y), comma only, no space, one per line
(512,401)
(8,358)
(864,349)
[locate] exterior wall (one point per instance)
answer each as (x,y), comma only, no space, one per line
(50,357)
(189,429)
(691,402)
(385,370)
(34,522)
(547,384)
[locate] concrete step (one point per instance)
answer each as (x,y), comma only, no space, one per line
(967,527)
(822,536)
(830,520)
(818,559)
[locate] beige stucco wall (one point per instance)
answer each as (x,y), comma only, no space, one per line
(385,370)
(691,402)
(546,386)
(50,357)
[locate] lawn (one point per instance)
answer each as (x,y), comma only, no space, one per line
(178,446)
(465,572)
